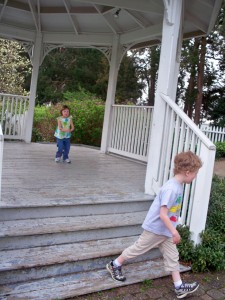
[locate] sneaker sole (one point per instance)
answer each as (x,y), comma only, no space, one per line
(110,272)
(184,295)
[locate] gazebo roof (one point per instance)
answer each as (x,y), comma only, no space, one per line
(88,23)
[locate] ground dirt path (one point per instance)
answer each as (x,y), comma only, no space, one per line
(219,167)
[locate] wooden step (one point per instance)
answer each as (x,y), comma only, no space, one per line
(62,287)
(77,208)
(69,224)
(58,254)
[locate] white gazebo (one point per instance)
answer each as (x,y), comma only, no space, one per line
(114,27)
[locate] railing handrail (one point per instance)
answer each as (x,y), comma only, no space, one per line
(189,122)
(132,106)
(12,95)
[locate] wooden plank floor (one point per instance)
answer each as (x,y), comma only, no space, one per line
(31,177)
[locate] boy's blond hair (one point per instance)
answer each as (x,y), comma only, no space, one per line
(186,161)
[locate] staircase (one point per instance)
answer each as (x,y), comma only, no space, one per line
(64,255)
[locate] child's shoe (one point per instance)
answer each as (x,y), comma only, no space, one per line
(115,272)
(57,159)
(186,289)
(68,161)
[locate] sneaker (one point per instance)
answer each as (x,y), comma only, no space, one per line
(115,272)
(186,288)
(57,159)
(67,161)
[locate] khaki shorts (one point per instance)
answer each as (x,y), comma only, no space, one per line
(149,240)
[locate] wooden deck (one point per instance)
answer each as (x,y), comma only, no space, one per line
(31,177)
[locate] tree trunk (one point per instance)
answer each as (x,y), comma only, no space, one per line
(190,94)
(154,64)
(200,80)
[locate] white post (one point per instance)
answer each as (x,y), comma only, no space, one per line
(167,84)
(110,99)
(202,193)
(36,58)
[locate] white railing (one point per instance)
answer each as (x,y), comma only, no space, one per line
(1,157)
(214,133)
(130,132)
(13,114)
(181,134)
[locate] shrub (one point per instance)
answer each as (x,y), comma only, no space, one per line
(210,254)
(220,149)
(87,117)
(216,210)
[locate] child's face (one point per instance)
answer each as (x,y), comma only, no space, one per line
(65,113)
(190,176)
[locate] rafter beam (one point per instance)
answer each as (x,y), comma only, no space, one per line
(197,23)
(18,5)
(136,16)
(34,14)
(142,35)
(111,23)
(140,5)
(2,9)
(72,19)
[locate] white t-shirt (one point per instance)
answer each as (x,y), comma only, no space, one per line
(170,195)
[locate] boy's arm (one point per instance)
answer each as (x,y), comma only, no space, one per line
(164,217)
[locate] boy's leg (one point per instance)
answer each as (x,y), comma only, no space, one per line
(146,241)
(60,149)
(171,262)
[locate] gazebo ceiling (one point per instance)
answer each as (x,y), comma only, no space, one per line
(88,23)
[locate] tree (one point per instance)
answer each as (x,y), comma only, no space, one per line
(15,68)
(202,75)
(148,61)
(71,70)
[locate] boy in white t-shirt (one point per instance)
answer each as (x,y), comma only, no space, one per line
(160,225)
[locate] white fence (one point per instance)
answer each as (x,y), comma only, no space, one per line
(1,157)
(131,126)
(214,133)
(13,114)
(181,134)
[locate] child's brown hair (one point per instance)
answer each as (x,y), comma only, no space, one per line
(186,161)
(63,108)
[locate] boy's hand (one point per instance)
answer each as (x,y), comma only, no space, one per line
(176,237)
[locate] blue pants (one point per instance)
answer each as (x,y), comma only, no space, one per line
(63,148)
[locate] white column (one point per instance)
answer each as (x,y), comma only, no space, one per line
(202,194)
(167,84)
(111,91)
(36,58)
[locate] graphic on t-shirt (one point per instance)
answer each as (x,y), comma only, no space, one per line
(173,218)
(175,209)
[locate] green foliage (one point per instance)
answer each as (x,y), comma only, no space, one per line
(78,70)
(87,117)
(220,149)
(146,285)
(15,68)
(186,246)
(216,211)
(210,254)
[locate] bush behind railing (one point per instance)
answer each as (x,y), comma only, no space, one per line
(87,117)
